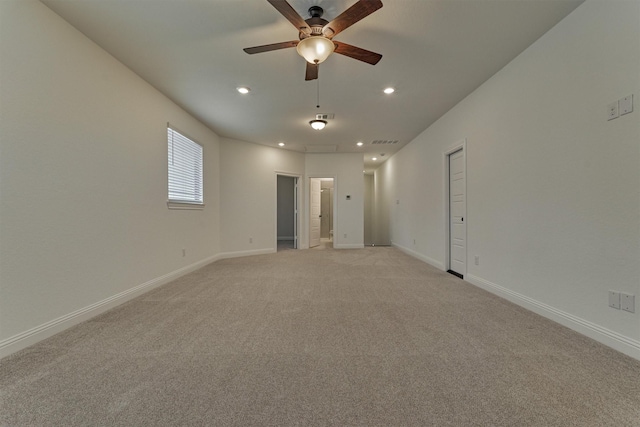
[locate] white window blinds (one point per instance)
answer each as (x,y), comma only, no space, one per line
(185,169)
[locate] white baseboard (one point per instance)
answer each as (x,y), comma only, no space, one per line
(612,339)
(348,246)
(238,254)
(32,336)
(424,258)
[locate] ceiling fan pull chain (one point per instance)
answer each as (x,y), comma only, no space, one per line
(318,86)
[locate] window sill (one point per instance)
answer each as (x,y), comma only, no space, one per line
(185,205)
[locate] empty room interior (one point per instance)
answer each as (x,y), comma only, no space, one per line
(433,221)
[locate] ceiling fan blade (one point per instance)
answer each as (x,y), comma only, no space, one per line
(312,71)
(292,16)
(357,53)
(358,11)
(270,47)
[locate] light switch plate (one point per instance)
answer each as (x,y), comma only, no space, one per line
(614,299)
(612,111)
(628,303)
(625,105)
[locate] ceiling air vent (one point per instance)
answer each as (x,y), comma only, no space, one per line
(321,148)
(384,141)
(325,116)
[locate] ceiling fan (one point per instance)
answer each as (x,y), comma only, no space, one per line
(316,34)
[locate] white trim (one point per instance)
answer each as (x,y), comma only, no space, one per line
(297,225)
(423,258)
(32,336)
(612,339)
(238,254)
(605,336)
(461,145)
(307,206)
(171,204)
(349,246)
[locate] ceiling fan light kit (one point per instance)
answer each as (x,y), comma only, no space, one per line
(318,124)
(315,49)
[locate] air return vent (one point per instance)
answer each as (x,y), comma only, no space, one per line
(325,116)
(384,141)
(321,148)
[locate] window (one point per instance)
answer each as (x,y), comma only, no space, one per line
(185,171)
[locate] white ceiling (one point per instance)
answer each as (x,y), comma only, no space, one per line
(435,52)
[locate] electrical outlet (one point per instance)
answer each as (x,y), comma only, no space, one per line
(628,303)
(414,241)
(614,299)
(612,111)
(250,239)
(345,235)
(477,259)
(184,252)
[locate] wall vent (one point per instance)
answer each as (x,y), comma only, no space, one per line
(384,141)
(325,116)
(321,148)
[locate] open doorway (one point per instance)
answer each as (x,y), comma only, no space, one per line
(321,208)
(287,213)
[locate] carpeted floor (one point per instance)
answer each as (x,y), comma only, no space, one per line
(368,337)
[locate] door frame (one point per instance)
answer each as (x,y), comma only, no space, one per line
(307,205)
(315,189)
(296,206)
(460,145)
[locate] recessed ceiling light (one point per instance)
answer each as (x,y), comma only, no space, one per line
(374,158)
(359,143)
(243,90)
(389,90)
(281,144)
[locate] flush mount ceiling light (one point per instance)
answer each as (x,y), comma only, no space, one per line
(389,90)
(281,144)
(315,49)
(318,124)
(359,144)
(243,90)
(374,158)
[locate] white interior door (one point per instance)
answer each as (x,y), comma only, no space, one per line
(314,213)
(457,209)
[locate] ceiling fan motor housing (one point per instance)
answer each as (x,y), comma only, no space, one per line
(316,23)
(316,12)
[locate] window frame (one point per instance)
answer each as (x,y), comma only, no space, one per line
(175,203)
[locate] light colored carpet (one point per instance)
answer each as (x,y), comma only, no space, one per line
(368,337)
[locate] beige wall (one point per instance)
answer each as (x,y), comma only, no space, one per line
(348,218)
(249,194)
(552,186)
(83,180)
